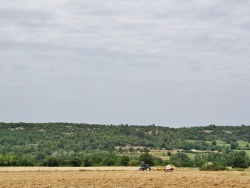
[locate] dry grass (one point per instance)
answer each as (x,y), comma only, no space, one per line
(48,169)
(119,177)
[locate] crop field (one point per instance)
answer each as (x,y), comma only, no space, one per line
(119,177)
(160,153)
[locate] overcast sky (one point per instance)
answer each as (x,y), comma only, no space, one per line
(165,62)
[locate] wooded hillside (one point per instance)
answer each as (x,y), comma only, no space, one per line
(39,140)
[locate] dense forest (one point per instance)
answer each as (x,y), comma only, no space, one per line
(88,144)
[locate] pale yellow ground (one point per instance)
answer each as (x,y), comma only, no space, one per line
(29,177)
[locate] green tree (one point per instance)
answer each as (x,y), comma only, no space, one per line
(199,160)
(146,158)
(234,145)
(122,160)
(2,162)
(51,161)
(27,161)
(157,161)
(107,161)
(239,160)
(181,160)
(214,143)
(87,161)
(75,161)
(134,162)
(11,160)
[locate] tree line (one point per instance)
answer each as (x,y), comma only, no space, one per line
(217,161)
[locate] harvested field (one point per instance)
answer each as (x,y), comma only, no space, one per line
(119,177)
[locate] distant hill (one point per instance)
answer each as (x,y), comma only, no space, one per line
(38,140)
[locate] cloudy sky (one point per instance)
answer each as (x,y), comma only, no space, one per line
(165,62)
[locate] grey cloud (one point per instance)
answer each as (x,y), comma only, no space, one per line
(23,14)
(136,62)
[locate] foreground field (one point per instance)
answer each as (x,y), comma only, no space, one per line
(119,177)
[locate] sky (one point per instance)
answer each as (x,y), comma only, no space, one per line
(170,63)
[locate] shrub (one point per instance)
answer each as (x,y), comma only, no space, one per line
(134,162)
(158,161)
(87,161)
(50,161)
(212,167)
(240,160)
(122,160)
(75,161)
(146,158)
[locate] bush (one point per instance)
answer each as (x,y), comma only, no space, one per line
(146,158)
(25,162)
(234,145)
(122,160)
(181,160)
(212,167)
(75,161)
(238,159)
(134,162)
(107,161)
(158,161)
(50,161)
(87,161)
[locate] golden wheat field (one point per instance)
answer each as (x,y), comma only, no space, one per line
(119,177)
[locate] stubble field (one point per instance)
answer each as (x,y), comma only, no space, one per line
(119,177)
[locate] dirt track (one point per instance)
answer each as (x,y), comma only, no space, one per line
(119,177)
